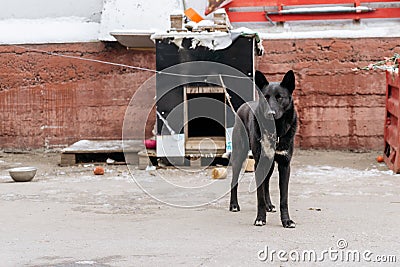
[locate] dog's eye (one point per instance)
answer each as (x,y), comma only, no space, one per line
(277,97)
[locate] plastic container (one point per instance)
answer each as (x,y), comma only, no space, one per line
(193,15)
(392,122)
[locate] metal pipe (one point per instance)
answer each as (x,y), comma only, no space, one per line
(183,5)
(322,10)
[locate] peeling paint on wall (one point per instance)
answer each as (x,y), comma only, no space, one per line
(136,15)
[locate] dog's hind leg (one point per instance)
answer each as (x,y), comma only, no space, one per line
(270,206)
(284,174)
(239,154)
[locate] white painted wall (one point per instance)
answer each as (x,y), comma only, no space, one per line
(38,9)
(49,21)
(136,15)
(142,14)
(58,21)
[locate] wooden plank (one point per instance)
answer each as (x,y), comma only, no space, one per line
(200,145)
(144,161)
(67,160)
(204,90)
(94,148)
(195,162)
(144,158)
(104,146)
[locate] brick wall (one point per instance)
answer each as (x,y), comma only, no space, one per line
(338,108)
(48,101)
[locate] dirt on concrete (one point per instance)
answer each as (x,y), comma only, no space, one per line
(341,201)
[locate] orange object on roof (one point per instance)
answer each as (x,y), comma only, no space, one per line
(193,15)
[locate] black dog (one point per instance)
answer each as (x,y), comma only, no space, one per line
(251,131)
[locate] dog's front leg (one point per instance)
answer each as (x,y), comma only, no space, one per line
(261,218)
(261,207)
(284,174)
(270,207)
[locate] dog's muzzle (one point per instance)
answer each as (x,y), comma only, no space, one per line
(271,112)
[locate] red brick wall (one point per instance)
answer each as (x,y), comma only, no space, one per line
(48,101)
(338,108)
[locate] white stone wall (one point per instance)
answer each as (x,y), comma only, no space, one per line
(57,21)
(39,9)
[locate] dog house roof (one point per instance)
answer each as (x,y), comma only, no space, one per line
(212,40)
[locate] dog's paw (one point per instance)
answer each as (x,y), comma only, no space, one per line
(271,208)
(234,207)
(288,224)
(260,221)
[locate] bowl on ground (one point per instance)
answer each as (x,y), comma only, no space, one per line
(23,174)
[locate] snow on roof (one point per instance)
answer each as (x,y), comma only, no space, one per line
(48,30)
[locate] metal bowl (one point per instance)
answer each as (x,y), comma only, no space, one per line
(23,174)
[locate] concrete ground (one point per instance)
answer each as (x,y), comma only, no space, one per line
(345,205)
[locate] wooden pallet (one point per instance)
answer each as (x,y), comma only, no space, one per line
(194,161)
(100,150)
(205,145)
(145,158)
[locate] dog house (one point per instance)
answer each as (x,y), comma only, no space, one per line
(197,73)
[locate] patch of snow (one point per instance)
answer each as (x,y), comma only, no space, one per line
(322,175)
(85,262)
(88,165)
(5,177)
(177,12)
(205,23)
(17,9)
(9,197)
(119,178)
(329,29)
(344,173)
(365,33)
(48,30)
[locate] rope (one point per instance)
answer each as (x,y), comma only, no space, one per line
(124,65)
(164,120)
(228,97)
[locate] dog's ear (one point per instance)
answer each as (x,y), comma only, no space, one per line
(260,80)
(289,81)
